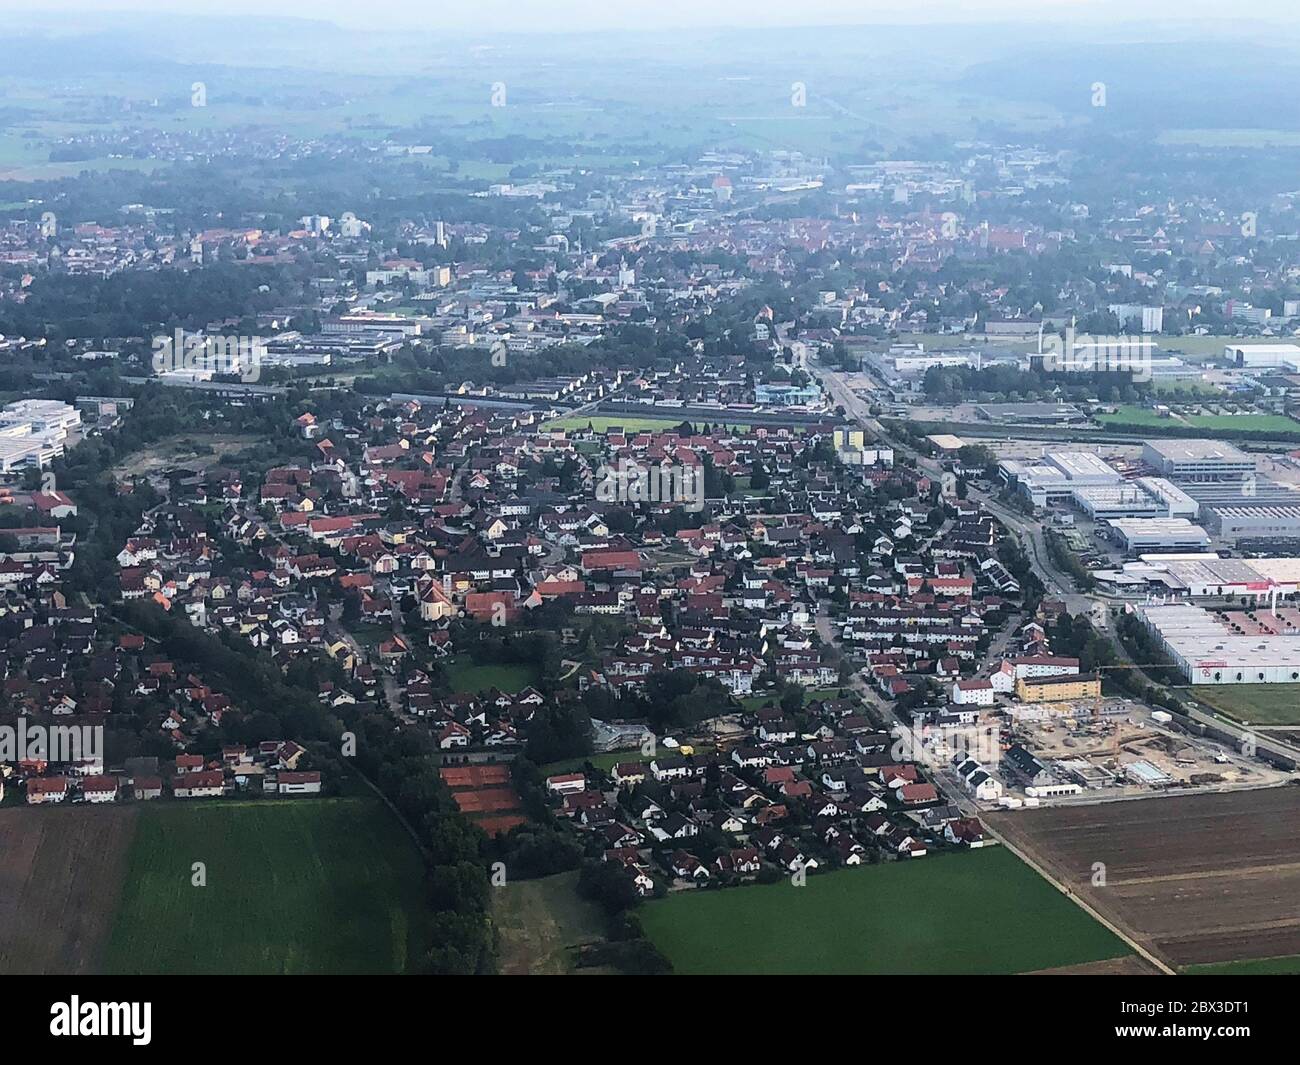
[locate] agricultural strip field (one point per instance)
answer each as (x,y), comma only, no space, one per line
(983,911)
(1256,704)
(293,886)
(1254,967)
(59,885)
(1197,880)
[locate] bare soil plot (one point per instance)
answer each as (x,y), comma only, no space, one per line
(197,450)
(60,882)
(1196,879)
(543,923)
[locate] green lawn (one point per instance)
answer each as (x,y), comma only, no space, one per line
(370,636)
(509,677)
(1255,423)
(1284,966)
(978,912)
(757,702)
(293,886)
(1258,704)
(1188,389)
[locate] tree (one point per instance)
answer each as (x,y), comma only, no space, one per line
(792,699)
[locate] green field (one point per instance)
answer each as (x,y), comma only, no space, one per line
(1284,966)
(1192,390)
(1257,704)
(293,886)
(1253,423)
(978,912)
(509,677)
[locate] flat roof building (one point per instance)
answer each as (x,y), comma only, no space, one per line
(1234,648)
(1058,474)
(1177,503)
(1197,460)
(1036,412)
(1263,355)
(1137,535)
(1206,576)
(1117,501)
(1254,522)
(1058,689)
(33,432)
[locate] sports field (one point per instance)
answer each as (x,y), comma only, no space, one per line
(983,911)
(1255,704)
(292,886)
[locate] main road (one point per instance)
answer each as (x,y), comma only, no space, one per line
(1030,532)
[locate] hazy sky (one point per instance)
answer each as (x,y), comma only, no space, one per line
(531,15)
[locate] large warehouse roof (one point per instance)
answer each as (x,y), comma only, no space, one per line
(1197,450)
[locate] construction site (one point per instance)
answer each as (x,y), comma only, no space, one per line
(1127,749)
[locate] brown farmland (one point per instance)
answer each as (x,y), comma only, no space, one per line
(1194,879)
(59,885)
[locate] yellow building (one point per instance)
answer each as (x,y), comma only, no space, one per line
(1058,689)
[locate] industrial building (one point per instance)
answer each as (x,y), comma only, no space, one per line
(1197,460)
(1237,647)
(1143,772)
(1146,497)
(1138,535)
(1105,502)
(1285,356)
(1058,474)
(918,363)
(1254,522)
(1256,508)
(1202,576)
(1034,413)
(1178,504)
(33,433)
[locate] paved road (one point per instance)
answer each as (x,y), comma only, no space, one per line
(1059,584)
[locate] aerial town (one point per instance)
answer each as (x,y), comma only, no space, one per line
(736,556)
